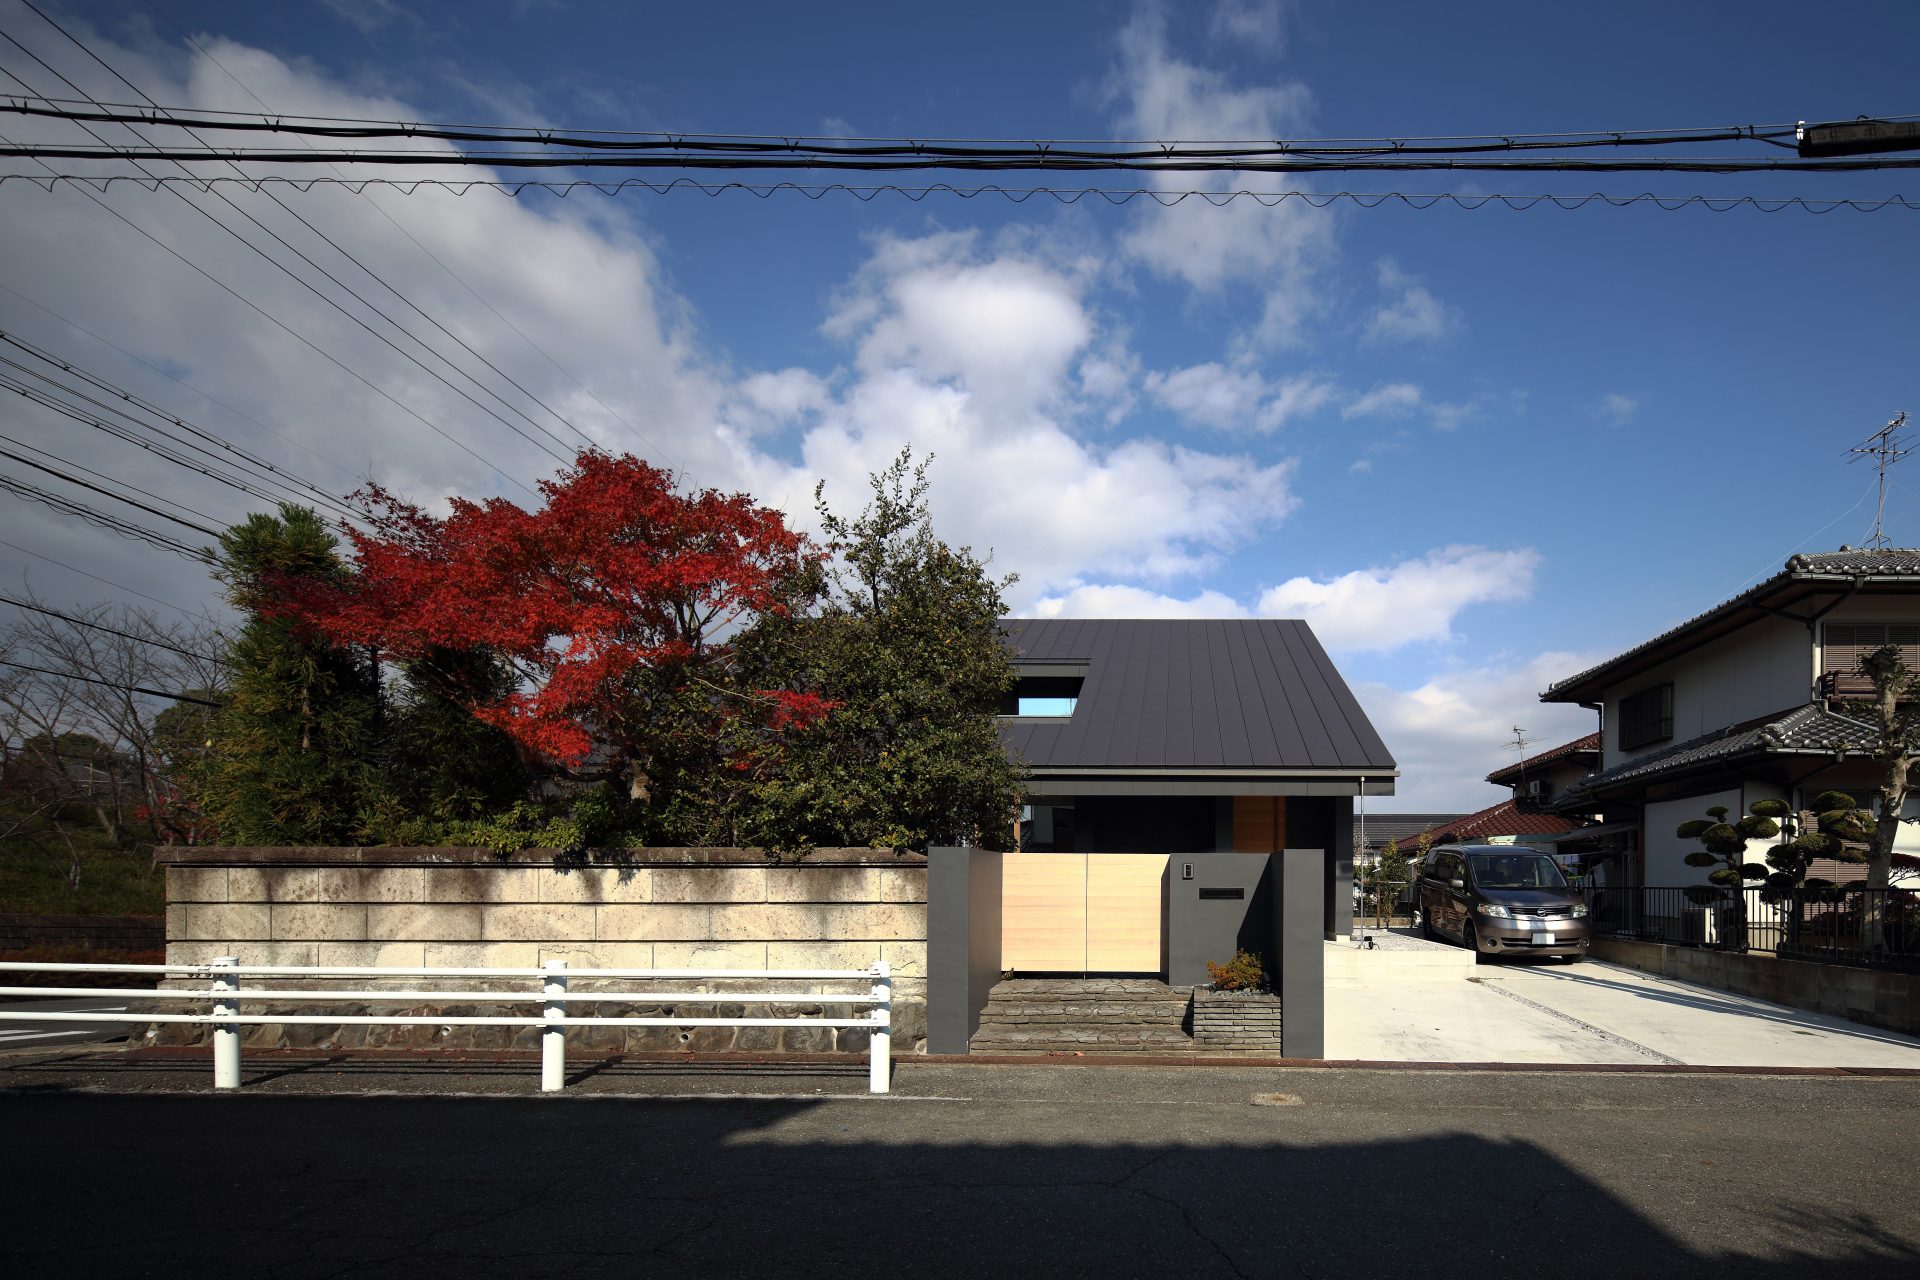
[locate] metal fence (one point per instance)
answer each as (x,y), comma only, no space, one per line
(1849,925)
(225,995)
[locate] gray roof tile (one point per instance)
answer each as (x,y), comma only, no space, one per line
(1808,730)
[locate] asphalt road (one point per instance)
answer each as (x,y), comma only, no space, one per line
(34,1034)
(965,1171)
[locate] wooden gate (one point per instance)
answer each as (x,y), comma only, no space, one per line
(1083,912)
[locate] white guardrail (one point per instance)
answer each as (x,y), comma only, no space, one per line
(226,996)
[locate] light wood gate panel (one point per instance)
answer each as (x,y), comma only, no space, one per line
(1081,912)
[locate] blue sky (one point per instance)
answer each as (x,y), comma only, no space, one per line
(1477,450)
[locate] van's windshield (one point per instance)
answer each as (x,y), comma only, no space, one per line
(1516,871)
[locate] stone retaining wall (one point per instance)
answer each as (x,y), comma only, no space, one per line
(1875,997)
(645,908)
(1232,1022)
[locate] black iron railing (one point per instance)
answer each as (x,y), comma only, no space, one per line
(1850,925)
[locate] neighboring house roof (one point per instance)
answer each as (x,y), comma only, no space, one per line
(1402,827)
(1808,730)
(1165,695)
(1589,745)
(1504,819)
(1824,573)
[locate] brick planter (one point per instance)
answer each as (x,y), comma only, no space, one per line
(1236,1021)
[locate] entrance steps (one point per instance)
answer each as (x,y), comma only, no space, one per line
(1084,1015)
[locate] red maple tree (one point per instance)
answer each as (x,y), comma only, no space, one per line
(613,601)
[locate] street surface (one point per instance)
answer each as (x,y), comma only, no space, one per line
(32,1035)
(965,1171)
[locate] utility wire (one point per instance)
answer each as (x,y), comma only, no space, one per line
(1036,162)
(112,684)
(436,259)
(338,363)
(107,493)
(1777,129)
(118,586)
(369,271)
(208,397)
(307,284)
(102,519)
(115,631)
(692,143)
(1018,195)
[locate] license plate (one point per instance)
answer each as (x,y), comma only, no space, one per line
(1543,939)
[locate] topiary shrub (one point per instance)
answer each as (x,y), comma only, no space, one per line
(1242,973)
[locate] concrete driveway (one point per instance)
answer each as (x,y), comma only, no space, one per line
(1535,1011)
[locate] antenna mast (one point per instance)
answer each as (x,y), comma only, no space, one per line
(1886,447)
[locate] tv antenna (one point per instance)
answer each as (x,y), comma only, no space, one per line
(1886,446)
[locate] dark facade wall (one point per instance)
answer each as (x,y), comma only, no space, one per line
(1144,824)
(1205,924)
(963,943)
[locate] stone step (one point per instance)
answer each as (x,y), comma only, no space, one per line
(1146,1042)
(1084,1013)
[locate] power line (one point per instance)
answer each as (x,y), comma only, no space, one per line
(100,626)
(457,278)
(302,281)
(108,493)
(101,519)
(118,586)
(1779,129)
(112,684)
(1038,162)
(696,143)
(342,365)
(1468,202)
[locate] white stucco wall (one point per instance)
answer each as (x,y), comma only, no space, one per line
(1764,667)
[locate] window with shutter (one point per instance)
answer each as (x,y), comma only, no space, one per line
(1646,717)
(1846,643)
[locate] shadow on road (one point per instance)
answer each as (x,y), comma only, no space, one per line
(298,1187)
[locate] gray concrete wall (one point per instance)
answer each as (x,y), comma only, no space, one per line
(1299,890)
(1878,999)
(643,908)
(1203,928)
(963,943)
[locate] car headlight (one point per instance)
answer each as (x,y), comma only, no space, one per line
(1579,910)
(1496,910)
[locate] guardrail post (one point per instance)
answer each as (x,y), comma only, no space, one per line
(553,1040)
(226,1040)
(880,1043)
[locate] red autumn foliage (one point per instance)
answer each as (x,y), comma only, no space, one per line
(612,591)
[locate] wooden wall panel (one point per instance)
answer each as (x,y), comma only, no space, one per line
(1043,912)
(1126,912)
(1259,824)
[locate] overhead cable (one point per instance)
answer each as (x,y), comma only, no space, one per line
(1468,201)
(101,626)
(112,684)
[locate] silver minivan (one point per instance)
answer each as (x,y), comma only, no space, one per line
(1502,900)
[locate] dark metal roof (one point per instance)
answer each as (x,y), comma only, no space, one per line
(1822,573)
(1808,730)
(1403,827)
(1194,695)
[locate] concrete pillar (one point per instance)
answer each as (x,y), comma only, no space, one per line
(963,943)
(1337,918)
(1298,878)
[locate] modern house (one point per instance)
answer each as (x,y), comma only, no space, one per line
(1744,702)
(1191,784)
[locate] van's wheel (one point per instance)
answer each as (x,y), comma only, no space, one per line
(1470,937)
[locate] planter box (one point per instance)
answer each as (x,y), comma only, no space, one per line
(1236,1021)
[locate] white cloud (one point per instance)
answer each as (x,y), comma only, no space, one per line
(1448,733)
(1255,24)
(1615,408)
(1388,607)
(1276,250)
(1389,399)
(772,400)
(1118,601)
(1214,395)
(1412,313)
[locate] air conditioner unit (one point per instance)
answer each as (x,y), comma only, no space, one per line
(1539,789)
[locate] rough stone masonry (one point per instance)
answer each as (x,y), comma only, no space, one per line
(642,908)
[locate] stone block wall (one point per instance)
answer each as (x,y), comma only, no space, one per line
(648,908)
(1235,1022)
(1878,998)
